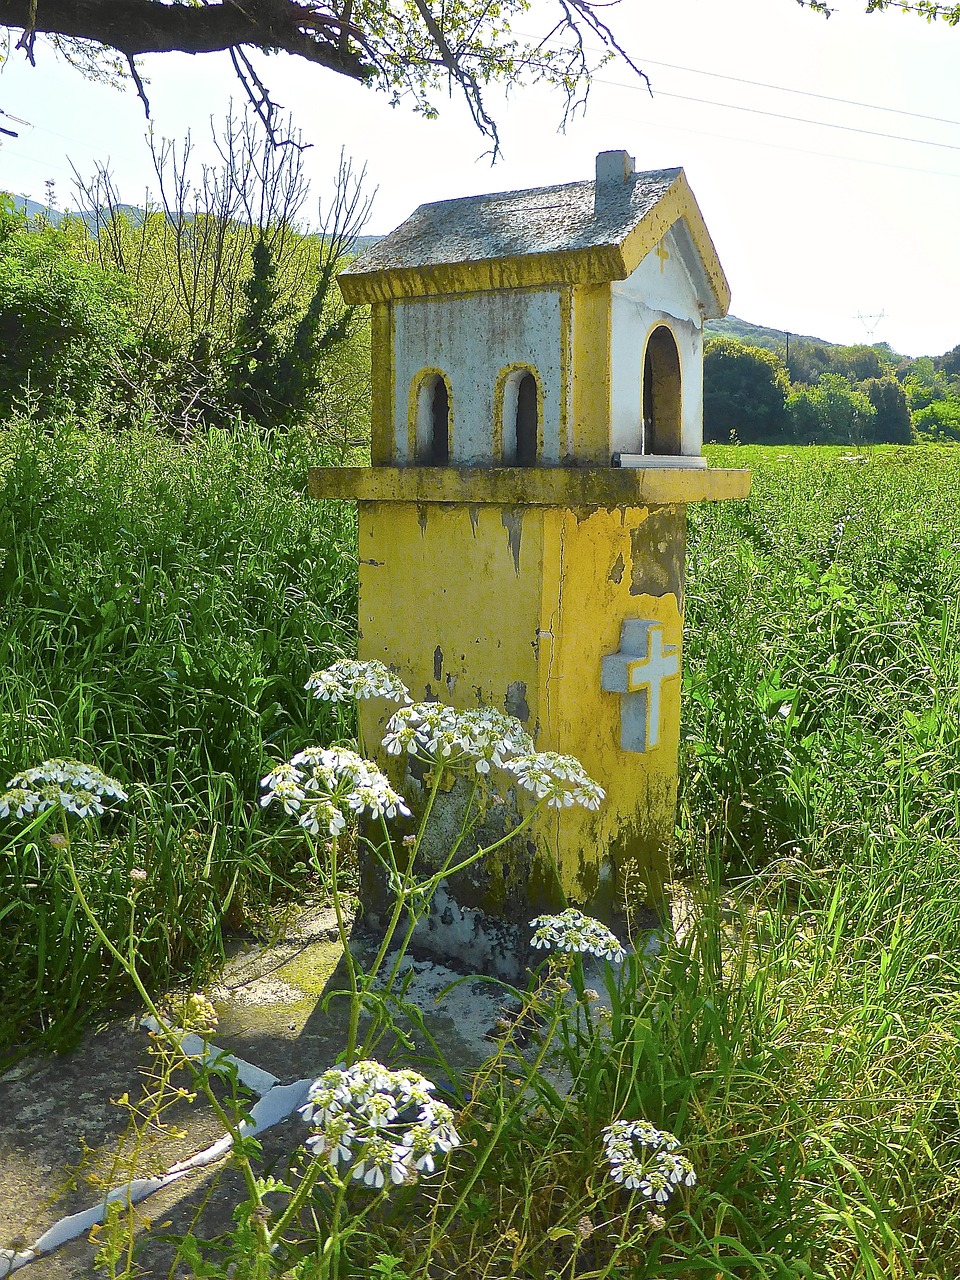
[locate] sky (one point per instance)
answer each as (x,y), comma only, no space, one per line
(823,227)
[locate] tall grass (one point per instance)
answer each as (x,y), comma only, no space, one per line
(822,695)
(800,1031)
(161,605)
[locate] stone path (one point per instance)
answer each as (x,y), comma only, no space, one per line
(62,1140)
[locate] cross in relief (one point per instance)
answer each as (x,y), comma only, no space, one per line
(638,672)
(662,254)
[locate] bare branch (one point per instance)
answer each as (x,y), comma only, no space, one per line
(460,72)
(141,91)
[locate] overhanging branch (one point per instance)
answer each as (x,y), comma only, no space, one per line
(305,28)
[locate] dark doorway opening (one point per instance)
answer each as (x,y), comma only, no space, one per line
(662,394)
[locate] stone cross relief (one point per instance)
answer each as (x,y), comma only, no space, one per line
(638,672)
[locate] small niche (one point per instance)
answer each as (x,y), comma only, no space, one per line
(433,422)
(521,419)
(661,395)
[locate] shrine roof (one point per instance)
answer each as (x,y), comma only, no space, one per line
(578,232)
(511,223)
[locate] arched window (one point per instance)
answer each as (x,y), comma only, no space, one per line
(433,422)
(521,419)
(661,394)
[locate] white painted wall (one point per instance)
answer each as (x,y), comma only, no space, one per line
(658,292)
(472,339)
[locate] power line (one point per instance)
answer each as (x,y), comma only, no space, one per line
(760,84)
(778,115)
(805,93)
(805,151)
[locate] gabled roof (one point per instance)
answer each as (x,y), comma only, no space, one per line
(578,233)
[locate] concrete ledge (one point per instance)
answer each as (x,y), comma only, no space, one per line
(530,486)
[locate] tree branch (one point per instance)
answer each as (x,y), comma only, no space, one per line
(305,28)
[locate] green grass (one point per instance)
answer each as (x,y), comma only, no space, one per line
(822,683)
(801,1033)
(161,605)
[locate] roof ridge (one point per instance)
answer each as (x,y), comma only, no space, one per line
(673,171)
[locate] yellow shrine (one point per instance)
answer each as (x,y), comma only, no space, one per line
(536,438)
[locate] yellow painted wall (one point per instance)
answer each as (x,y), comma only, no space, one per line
(450,595)
(515,608)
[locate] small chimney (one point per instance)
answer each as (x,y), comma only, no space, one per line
(614,169)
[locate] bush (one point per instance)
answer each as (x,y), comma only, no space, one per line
(832,412)
(891,425)
(744,392)
(940,420)
(62,321)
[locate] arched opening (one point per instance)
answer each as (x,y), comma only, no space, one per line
(433,422)
(521,419)
(661,395)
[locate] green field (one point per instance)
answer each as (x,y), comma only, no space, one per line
(162,603)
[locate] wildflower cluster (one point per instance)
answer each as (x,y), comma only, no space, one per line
(442,735)
(318,783)
(383,1126)
(643,1158)
(349,679)
(191,1012)
(78,788)
(561,780)
(473,741)
(576,933)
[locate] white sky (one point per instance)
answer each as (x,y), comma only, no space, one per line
(812,224)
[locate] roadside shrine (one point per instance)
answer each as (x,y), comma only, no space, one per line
(536,438)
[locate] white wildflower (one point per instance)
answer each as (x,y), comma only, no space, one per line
(350,679)
(421,1147)
(363,1119)
(573,932)
(677,1169)
(656,1186)
(325,1098)
(560,780)
(321,816)
(320,782)
(82,803)
(74,786)
(335,1141)
(20,801)
(638,1131)
(471,740)
(629,1172)
(642,1158)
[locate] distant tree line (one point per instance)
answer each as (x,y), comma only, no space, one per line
(825,394)
(213,302)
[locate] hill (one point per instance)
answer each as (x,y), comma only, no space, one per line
(34,209)
(757,335)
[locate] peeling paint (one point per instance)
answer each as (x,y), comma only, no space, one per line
(513,523)
(616,573)
(438,663)
(516,701)
(658,553)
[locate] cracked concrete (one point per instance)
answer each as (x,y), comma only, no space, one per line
(64,1141)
